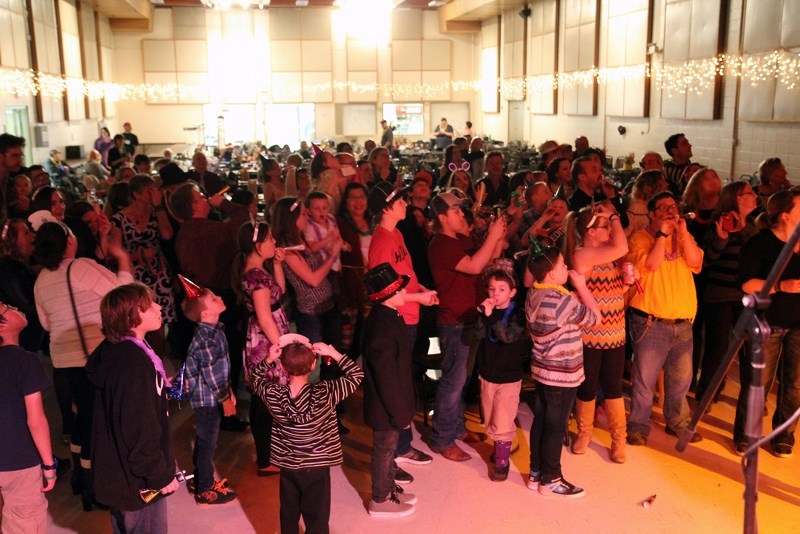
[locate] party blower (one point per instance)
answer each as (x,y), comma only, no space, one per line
(149,495)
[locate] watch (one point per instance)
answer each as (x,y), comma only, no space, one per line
(660,234)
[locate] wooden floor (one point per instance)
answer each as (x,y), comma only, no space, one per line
(697,491)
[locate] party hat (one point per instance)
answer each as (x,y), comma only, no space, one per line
(316,150)
(536,248)
(193,290)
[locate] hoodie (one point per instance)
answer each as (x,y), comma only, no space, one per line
(304,431)
(131,442)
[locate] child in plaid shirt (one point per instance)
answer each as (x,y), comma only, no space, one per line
(208,378)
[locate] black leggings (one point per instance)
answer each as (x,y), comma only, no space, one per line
(602,367)
(73,381)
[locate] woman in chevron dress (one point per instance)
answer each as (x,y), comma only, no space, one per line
(595,246)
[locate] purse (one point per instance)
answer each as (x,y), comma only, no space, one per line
(75,312)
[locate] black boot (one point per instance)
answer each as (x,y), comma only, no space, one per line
(502,451)
(76,481)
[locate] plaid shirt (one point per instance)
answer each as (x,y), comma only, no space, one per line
(207,366)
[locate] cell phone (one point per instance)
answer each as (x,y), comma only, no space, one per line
(728,222)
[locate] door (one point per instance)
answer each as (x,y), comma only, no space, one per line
(516,120)
(17,120)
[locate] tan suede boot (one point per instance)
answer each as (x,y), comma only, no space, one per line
(584,416)
(616,426)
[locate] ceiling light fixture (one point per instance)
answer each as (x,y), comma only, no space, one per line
(225,5)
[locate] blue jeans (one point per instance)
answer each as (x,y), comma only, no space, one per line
(448,417)
(660,346)
(551,408)
(781,359)
(384,443)
(152,519)
(206,420)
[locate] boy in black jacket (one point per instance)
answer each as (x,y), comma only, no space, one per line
(388,387)
(504,356)
(131,442)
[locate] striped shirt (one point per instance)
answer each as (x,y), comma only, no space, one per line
(304,432)
(555,322)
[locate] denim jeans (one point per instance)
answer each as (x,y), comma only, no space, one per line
(384,443)
(448,416)
(405,436)
(206,420)
(782,359)
(660,346)
(551,407)
(152,519)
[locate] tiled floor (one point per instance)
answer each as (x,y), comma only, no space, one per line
(697,491)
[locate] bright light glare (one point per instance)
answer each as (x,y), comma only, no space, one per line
(367,21)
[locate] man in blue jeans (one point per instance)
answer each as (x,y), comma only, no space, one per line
(666,255)
(456,270)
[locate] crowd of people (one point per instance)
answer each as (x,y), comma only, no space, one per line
(556,274)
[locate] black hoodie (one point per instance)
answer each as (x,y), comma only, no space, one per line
(131,442)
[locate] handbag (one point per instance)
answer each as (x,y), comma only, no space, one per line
(75,312)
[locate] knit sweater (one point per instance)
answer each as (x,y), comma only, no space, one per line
(555,321)
(90,283)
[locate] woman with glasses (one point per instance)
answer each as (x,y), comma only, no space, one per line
(722,297)
(595,245)
(68,293)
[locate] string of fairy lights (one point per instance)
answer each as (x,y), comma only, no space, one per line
(693,76)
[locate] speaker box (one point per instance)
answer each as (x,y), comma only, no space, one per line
(75,152)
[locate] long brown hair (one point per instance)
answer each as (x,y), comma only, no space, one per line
(247,243)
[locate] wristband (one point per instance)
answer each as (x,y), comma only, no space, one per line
(660,234)
(53,467)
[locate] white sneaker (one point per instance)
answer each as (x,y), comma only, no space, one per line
(561,488)
(391,507)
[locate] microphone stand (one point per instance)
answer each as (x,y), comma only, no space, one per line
(751,322)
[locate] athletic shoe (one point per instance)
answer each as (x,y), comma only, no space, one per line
(560,488)
(403,497)
(533,481)
(219,493)
(415,457)
(391,507)
(402,477)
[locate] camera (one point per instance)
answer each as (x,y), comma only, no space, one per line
(728,222)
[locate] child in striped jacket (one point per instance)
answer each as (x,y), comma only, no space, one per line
(555,317)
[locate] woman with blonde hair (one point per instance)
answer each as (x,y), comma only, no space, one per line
(647,184)
(595,244)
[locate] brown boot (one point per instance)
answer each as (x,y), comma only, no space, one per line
(616,426)
(584,416)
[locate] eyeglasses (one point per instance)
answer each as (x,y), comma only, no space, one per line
(666,208)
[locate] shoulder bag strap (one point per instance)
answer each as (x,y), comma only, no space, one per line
(75,311)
